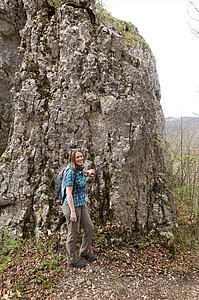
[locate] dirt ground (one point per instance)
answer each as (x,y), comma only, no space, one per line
(39,271)
(100,281)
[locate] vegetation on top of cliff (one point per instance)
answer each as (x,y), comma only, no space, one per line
(55,3)
(129,32)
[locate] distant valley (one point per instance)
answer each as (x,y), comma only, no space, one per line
(183,130)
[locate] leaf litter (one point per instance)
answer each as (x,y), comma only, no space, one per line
(38,270)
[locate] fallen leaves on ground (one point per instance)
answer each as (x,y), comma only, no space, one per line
(38,270)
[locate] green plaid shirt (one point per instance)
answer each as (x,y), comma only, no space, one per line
(79,188)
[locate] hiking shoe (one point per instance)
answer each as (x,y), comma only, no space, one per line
(89,256)
(78,264)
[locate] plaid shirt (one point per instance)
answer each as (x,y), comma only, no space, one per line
(78,191)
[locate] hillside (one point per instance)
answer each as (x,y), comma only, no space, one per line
(185,129)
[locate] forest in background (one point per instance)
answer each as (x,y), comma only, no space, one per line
(182,155)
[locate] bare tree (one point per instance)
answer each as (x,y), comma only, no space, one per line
(194,15)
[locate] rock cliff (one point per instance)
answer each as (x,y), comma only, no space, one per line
(69,78)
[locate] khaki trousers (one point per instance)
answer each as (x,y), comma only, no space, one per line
(83,220)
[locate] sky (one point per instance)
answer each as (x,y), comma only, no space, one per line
(166,27)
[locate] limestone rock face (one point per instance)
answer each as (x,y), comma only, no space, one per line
(85,85)
(11,21)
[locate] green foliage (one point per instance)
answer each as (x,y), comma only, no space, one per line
(55,3)
(95,219)
(101,241)
(129,33)
(35,262)
(7,247)
(183,166)
(3,74)
(187,229)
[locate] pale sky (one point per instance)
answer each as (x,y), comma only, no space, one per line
(164,26)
